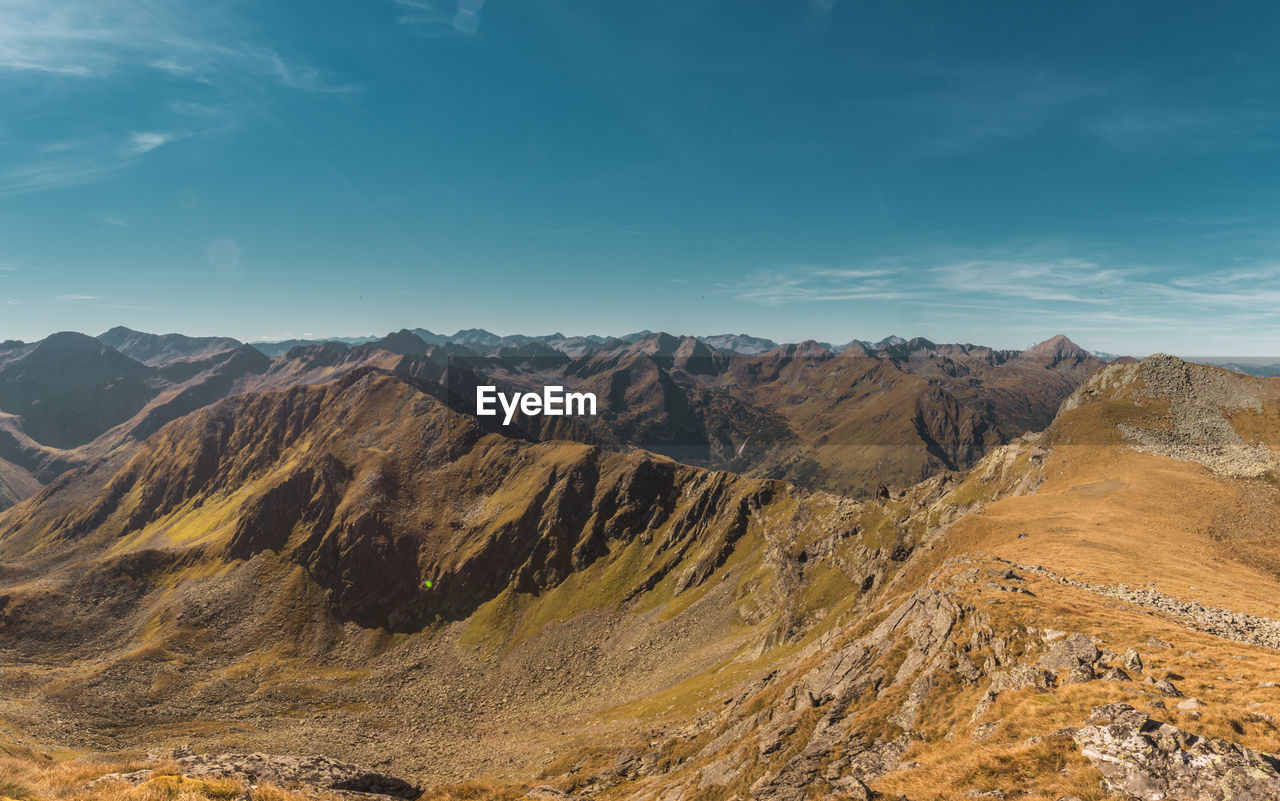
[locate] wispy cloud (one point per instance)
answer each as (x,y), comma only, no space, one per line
(66,298)
(807,284)
(1032,289)
(146,141)
(44,174)
(99,38)
(109,44)
(75,162)
(432,18)
(1072,280)
(1141,125)
(974,107)
(971,108)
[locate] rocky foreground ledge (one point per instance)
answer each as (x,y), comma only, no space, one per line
(306,772)
(1145,759)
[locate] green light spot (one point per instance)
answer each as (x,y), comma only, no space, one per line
(428,584)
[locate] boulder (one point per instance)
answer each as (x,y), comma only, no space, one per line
(1168,688)
(1115,674)
(1072,650)
(1131,661)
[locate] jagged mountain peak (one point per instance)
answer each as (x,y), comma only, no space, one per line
(1057,349)
(403,342)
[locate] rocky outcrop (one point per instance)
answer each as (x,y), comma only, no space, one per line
(1196,427)
(1141,758)
(306,772)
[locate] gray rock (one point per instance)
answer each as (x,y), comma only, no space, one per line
(851,789)
(905,718)
(1167,688)
(548,793)
(1080,673)
(966,670)
(1019,677)
(720,773)
(1115,674)
(1146,759)
(1131,661)
(1065,654)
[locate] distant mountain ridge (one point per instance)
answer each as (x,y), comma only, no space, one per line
(487,342)
(155,349)
(842,418)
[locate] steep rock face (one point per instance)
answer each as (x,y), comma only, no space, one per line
(803,729)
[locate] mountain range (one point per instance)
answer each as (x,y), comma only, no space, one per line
(900,570)
(891,413)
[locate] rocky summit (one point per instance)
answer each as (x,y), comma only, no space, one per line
(891,570)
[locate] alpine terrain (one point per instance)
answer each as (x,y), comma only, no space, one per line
(762,571)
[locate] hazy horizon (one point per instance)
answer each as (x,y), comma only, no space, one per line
(1259,359)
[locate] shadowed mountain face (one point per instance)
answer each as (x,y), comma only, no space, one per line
(70,399)
(70,388)
(352,566)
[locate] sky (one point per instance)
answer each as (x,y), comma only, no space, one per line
(987,172)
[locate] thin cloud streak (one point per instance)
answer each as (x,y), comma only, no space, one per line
(98,39)
(112,43)
(1077,294)
(813,284)
(74,163)
(146,141)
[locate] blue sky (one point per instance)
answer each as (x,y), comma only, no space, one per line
(984,172)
